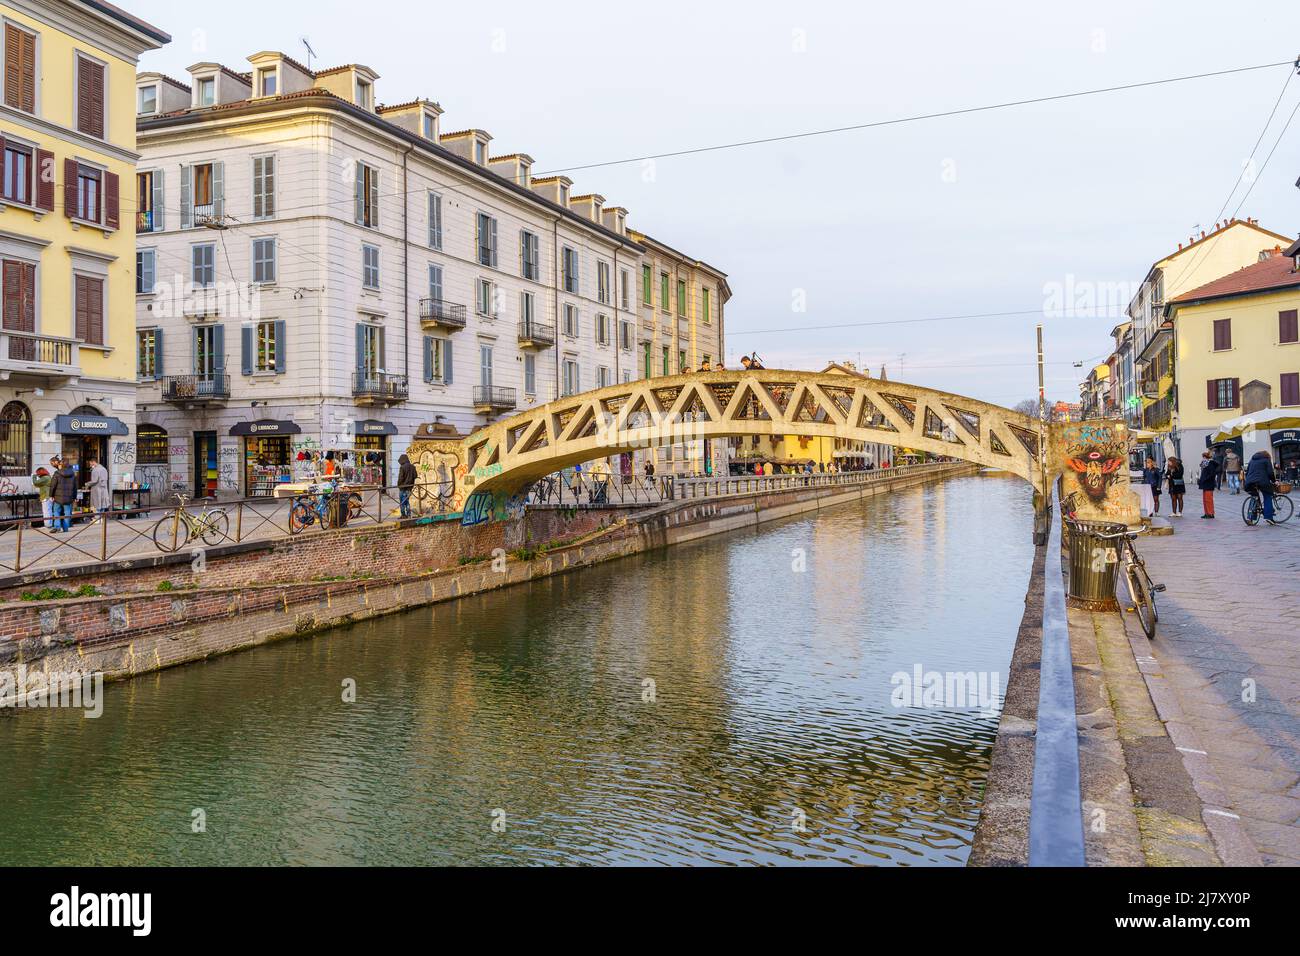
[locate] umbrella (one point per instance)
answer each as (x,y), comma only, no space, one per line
(1141,434)
(1264,420)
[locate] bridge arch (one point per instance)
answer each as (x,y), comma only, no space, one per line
(506,456)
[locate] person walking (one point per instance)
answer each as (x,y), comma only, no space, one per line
(1220,459)
(1260,479)
(1232,470)
(41,481)
(1207,480)
(63,492)
(1151,477)
(1177,486)
(101,496)
(405,485)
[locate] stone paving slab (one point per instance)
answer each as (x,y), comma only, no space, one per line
(1227,680)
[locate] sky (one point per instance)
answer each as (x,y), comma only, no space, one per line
(902,225)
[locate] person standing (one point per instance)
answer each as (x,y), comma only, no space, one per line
(1177,486)
(1260,478)
(41,481)
(1207,481)
(63,492)
(101,496)
(1220,458)
(405,485)
(1232,470)
(1151,476)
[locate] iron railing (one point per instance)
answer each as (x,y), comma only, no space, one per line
(55,351)
(380,386)
(204,387)
(536,334)
(494,396)
(449,315)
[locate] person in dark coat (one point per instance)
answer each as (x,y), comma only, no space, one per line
(63,492)
(405,483)
(1207,481)
(1260,479)
(1177,486)
(1151,477)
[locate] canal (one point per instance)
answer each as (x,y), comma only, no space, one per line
(727,701)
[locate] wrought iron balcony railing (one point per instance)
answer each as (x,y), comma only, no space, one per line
(380,387)
(494,397)
(438,312)
(202,387)
(536,335)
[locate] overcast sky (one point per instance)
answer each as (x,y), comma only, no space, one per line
(974,214)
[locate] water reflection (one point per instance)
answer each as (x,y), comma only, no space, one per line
(771,701)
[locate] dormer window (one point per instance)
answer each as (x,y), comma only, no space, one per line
(267,81)
(480,152)
(205,91)
(564,195)
(525,174)
(595,210)
(146,103)
(365,94)
(430,126)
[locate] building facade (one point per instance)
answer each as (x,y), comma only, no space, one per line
(67,134)
(321,273)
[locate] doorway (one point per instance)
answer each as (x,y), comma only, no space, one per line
(205,464)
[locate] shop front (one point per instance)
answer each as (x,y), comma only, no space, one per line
(268,454)
(84,437)
(1286,453)
(370,441)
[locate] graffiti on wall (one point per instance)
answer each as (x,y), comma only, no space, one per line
(124,453)
(1094,460)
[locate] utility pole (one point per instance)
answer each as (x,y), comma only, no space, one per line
(1042,498)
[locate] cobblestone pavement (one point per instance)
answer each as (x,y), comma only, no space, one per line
(1229,646)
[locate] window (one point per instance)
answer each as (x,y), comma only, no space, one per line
(146,100)
(625,336)
(571,386)
(263,187)
(529,265)
(485,300)
(627,376)
(1286,327)
(150,445)
(264,260)
(480,152)
(20,307)
(366,194)
(602,282)
(1222,393)
(527,310)
(89,193)
(1222,334)
(370,351)
(266,82)
(365,94)
(437,360)
(525,174)
(663,291)
(203,264)
(681,297)
(625,294)
(602,329)
(570,320)
(435,282)
(570,263)
(430,126)
(704,306)
(530,374)
(89,308)
(1290,388)
(15,440)
(20,69)
(645,357)
(647,289)
(206,91)
(18,168)
(602,377)
(485,365)
(90,97)
(435,221)
(370,266)
(564,194)
(681,361)
(149,201)
(203,190)
(146,271)
(666,372)
(266,357)
(146,354)
(486,240)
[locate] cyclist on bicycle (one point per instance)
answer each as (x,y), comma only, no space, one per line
(1260,479)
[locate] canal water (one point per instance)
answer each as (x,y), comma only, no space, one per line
(728,701)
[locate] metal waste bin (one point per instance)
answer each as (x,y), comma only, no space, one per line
(1094,564)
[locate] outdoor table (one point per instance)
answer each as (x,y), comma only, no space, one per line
(20,504)
(122,498)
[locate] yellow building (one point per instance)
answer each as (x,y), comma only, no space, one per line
(1234,334)
(67,237)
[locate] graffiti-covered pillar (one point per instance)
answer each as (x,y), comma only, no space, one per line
(1092,459)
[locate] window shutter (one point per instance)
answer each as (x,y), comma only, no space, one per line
(83,95)
(112,201)
(257,187)
(13,289)
(359,194)
(1287,330)
(246,349)
(187,198)
(1211,394)
(80,323)
(219,348)
(158,200)
(218,190)
(446,362)
(492,239)
(96,288)
(1236,393)
(374,198)
(27,70)
(361,351)
(70,188)
(45,180)
(428,359)
(281,346)
(158,353)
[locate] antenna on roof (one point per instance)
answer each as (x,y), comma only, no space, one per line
(310,52)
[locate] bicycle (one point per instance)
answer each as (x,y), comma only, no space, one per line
(1252,509)
(176,529)
(1142,590)
(324,505)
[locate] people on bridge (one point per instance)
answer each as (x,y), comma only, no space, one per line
(1232,470)
(1151,477)
(1260,479)
(1207,480)
(1177,486)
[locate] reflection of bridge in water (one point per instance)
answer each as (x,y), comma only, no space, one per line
(508,455)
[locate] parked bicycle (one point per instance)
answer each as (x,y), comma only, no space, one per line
(1252,509)
(1142,590)
(179,527)
(323,505)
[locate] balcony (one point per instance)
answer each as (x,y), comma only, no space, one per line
(489,399)
(536,335)
(379,388)
(1159,415)
(438,314)
(202,389)
(1150,388)
(43,356)
(144,221)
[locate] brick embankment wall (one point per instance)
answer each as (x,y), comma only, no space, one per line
(247,595)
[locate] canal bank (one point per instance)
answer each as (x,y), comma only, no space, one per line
(147,614)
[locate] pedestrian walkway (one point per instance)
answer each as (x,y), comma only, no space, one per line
(1229,647)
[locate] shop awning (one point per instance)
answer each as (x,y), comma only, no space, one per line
(89,425)
(266,426)
(372,426)
(1265,420)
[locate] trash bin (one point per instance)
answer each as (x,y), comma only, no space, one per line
(1094,564)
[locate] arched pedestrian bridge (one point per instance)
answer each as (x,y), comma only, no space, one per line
(506,456)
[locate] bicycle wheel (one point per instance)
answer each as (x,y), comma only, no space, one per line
(300,516)
(1139,587)
(1250,510)
(356,506)
(162,533)
(216,527)
(1282,508)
